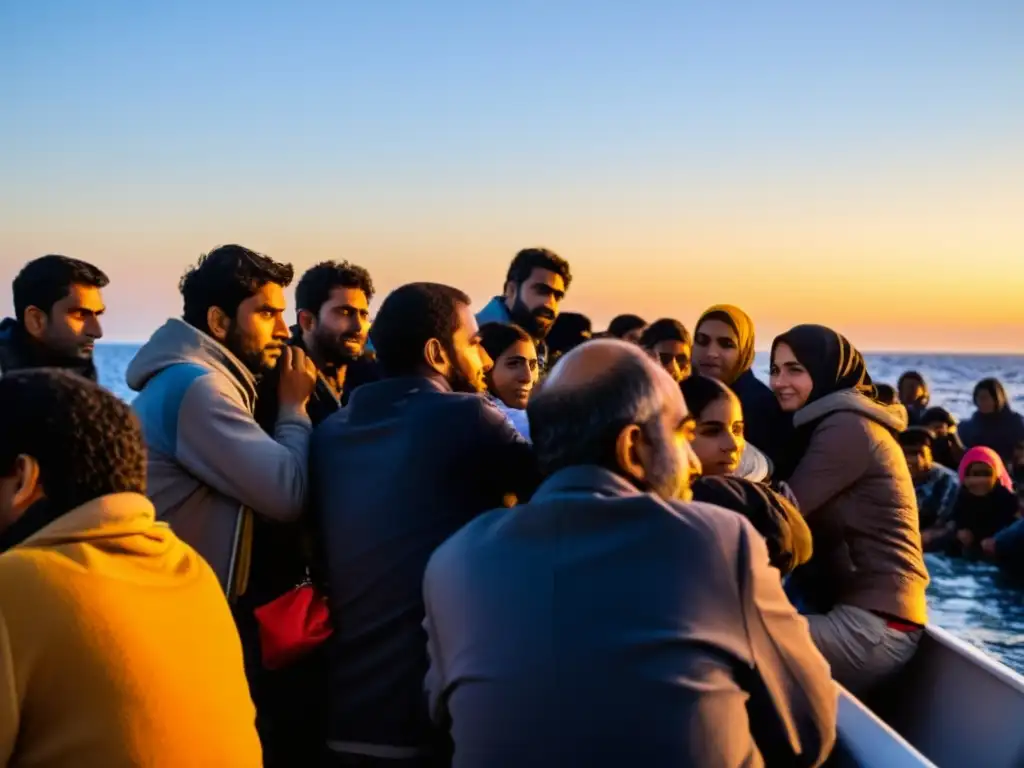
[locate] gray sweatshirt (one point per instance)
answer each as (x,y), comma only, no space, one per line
(210,464)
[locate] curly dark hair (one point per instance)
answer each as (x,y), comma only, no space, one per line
(665,329)
(409,317)
(87,442)
(315,286)
(46,280)
(225,277)
(529,259)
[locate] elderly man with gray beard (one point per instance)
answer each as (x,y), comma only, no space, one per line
(611,620)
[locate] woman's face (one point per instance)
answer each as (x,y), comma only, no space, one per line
(789,380)
(979,479)
(985,402)
(718,440)
(716,349)
(514,374)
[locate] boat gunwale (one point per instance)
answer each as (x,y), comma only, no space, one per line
(977,657)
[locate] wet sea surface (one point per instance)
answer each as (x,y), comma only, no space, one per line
(972,600)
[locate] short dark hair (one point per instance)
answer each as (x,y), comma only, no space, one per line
(408,318)
(665,329)
(701,391)
(886,394)
(315,286)
(87,442)
(580,425)
(46,280)
(569,330)
(529,259)
(916,437)
(224,278)
(497,337)
(940,415)
(623,324)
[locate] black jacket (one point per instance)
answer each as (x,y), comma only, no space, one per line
(18,352)
(392,475)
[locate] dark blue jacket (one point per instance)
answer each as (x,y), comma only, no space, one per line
(1010,548)
(765,424)
(395,473)
(598,626)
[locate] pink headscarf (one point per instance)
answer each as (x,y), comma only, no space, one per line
(982,455)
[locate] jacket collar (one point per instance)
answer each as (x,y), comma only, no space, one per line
(117,514)
(586,478)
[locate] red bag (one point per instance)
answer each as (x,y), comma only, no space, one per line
(293,625)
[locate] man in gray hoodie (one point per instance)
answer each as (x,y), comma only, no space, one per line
(211,466)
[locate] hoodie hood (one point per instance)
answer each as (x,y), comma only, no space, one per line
(893,417)
(177,342)
(494,311)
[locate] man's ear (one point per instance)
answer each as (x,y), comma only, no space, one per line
(436,357)
(29,490)
(35,322)
(511,291)
(628,453)
(219,323)
(307,320)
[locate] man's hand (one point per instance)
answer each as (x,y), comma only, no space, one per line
(298,378)
(988,546)
(965,537)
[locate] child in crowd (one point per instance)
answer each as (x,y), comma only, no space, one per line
(947,449)
(986,503)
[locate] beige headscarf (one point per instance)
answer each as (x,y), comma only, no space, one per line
(740,322)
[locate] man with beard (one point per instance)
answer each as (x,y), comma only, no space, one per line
(56,323)
(211,466)
(536,283)
(611,620)
(411,459)
(333,304)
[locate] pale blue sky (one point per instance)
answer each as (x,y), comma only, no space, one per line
(449,134)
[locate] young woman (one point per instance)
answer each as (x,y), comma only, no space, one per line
(515,371)
(855,491)
(735,474)
(994,424)
(723,349)
(986,503)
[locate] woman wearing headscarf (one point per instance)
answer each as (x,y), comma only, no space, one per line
(723,349)
(986,503)
(854,488)
(914,394)
(994,424)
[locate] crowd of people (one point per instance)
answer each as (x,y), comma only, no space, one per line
(437,538)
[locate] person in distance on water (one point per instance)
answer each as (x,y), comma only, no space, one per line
(407,462)
(117,647)
(58,303)
(535,285)
(585,626)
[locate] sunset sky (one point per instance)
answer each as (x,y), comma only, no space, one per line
(855,164)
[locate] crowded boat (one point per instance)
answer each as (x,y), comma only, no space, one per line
(442,534)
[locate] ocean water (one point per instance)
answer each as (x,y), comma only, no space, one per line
(972,600)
